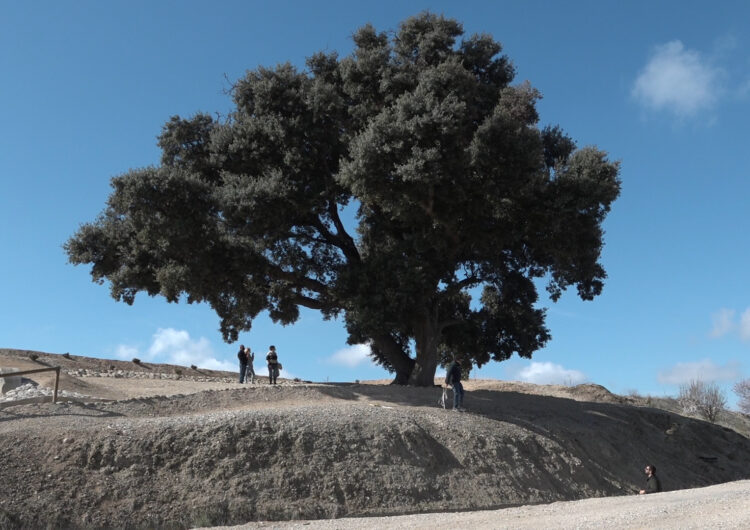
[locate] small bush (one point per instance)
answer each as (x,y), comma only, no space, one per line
(297,380)
(742,389)
(193,367)
(112,367)
(136,360)
(178,371)
(701,398)
(33,356)
(66,355)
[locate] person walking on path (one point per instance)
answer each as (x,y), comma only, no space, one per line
(242,356)
(453,379)
(273,365)
(250,371)
(653,485)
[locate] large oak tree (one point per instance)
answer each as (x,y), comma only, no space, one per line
(385,187)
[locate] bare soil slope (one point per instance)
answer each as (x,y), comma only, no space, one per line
(220,453)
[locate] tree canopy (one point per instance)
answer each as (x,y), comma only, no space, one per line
(454,186)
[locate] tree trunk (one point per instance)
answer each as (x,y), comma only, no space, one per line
(427,339)
(400,361)
(419,371)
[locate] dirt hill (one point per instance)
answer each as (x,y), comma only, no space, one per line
(177,448)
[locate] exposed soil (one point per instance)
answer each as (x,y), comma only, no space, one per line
(202,450)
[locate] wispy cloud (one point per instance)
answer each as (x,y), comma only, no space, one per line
(744,90)
(745,325)
(174,346)
(351,356)
(723,322)
(678,80)
(705,370)
(546,373)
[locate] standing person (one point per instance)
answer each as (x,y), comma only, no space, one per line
(250,372)
(273,365)
(242,356)
(653,485)
(453,378)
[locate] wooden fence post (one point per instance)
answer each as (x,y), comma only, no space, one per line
(57,382)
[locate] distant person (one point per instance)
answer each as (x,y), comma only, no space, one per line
(652,481)
(250,371)
(242,356)
(273,365)
(453,379)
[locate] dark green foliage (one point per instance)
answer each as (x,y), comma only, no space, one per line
(455,187)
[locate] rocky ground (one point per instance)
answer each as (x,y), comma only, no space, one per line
(159,446)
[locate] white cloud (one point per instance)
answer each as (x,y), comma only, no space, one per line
(351,356)
(677,80)
(174,346)
(550,374)
(745,325)
(723,322)
(705,370)
(126,352)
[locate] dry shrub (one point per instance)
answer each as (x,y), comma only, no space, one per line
(742,389)
(704,399)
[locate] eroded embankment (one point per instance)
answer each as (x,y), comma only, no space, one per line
(227,457)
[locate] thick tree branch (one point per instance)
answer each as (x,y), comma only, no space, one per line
(350,247)
(310,303)
(342,240)
(297,280)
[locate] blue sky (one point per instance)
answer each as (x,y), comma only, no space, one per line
(664,87)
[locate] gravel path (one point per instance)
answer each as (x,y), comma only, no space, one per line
(724,506)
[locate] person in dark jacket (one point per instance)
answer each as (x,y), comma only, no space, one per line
(453,379)
(273,365)
(242,356)
(652,481)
